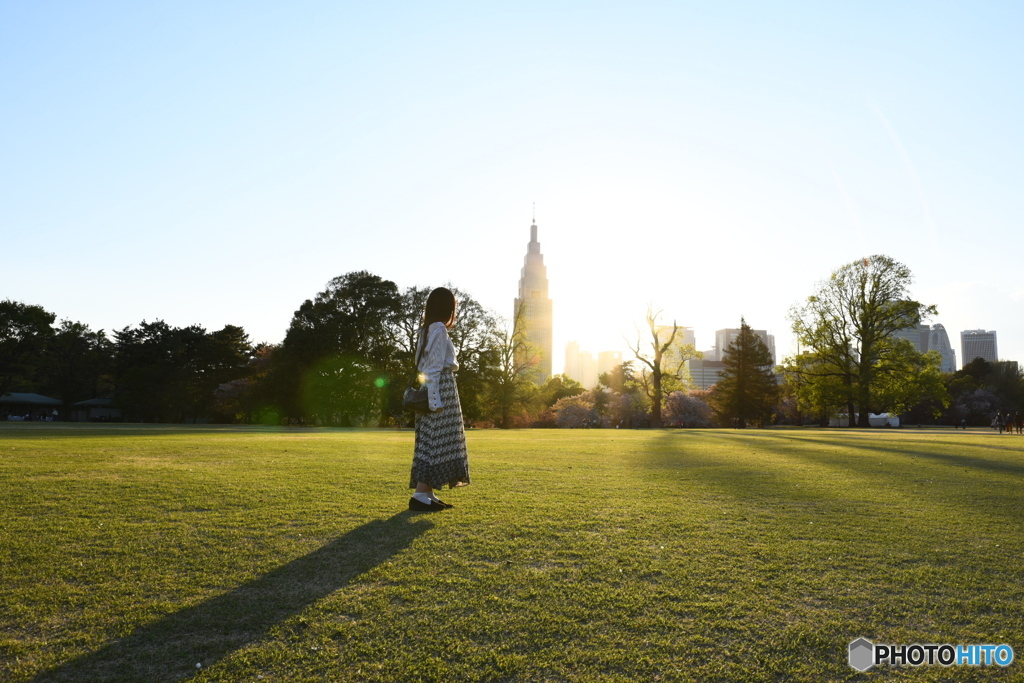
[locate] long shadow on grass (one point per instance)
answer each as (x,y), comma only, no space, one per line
(169,649)
(745,479)
(903,449)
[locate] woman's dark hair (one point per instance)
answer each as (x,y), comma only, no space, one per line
(440,308)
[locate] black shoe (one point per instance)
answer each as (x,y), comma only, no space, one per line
(417,506)
(446,506)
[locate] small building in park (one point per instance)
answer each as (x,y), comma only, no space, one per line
(29,407)
(96,410)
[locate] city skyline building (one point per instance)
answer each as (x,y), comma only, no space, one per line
(978,344)
(572,361)
(608,361)
(704,372)
(727,336)
(583,367)
(533,307)
(938,341)
(919,336)
(580,365)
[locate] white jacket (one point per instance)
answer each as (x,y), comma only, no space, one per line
(438,355)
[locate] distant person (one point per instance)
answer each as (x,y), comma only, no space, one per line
(440,456)
(963,423)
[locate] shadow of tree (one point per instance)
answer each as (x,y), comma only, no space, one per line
(758,479)
(168,649)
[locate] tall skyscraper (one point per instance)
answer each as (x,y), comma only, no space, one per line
(978,344)
(938,340)
(533,307)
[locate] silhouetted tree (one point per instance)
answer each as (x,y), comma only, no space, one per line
(659,364)
(747,389)
(510,362)
(24,332)
(171,374)
(77,364)
(980,389)
(339,355)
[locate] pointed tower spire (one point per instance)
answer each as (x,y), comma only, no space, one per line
(533,299)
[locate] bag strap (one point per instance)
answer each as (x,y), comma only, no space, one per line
(416,367)
(419,356)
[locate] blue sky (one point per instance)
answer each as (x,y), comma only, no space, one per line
(218,163)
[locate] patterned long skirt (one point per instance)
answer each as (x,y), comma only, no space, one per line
(440,457)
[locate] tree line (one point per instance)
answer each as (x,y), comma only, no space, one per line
(348,354)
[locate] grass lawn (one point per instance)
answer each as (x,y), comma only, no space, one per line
(136,553)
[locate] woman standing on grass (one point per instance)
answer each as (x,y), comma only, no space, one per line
(440,457)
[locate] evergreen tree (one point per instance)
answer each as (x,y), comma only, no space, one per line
(747,390)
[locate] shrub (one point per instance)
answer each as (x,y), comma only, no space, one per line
(575,412)
(686,410)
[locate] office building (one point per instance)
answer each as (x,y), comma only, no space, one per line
(608,361)
(533,309)
(938,341)
(978,344)
(704,373)
(581,365)
(919,336)
(725,337)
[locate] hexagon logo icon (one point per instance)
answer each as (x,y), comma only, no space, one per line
(862,654)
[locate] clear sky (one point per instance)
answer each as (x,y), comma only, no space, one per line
(218,162)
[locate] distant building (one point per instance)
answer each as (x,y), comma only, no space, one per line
(96,410)
(978,344)
(938,340)
(725,337)
(608,361)
(24,406)
(917,335)
(588,370)
(581,365)
(704,373)
(572,360)
(536,305)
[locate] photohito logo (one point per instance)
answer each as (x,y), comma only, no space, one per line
(864,654)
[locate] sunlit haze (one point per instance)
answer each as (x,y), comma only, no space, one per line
(218,163)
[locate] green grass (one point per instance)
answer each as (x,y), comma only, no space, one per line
(134,553)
